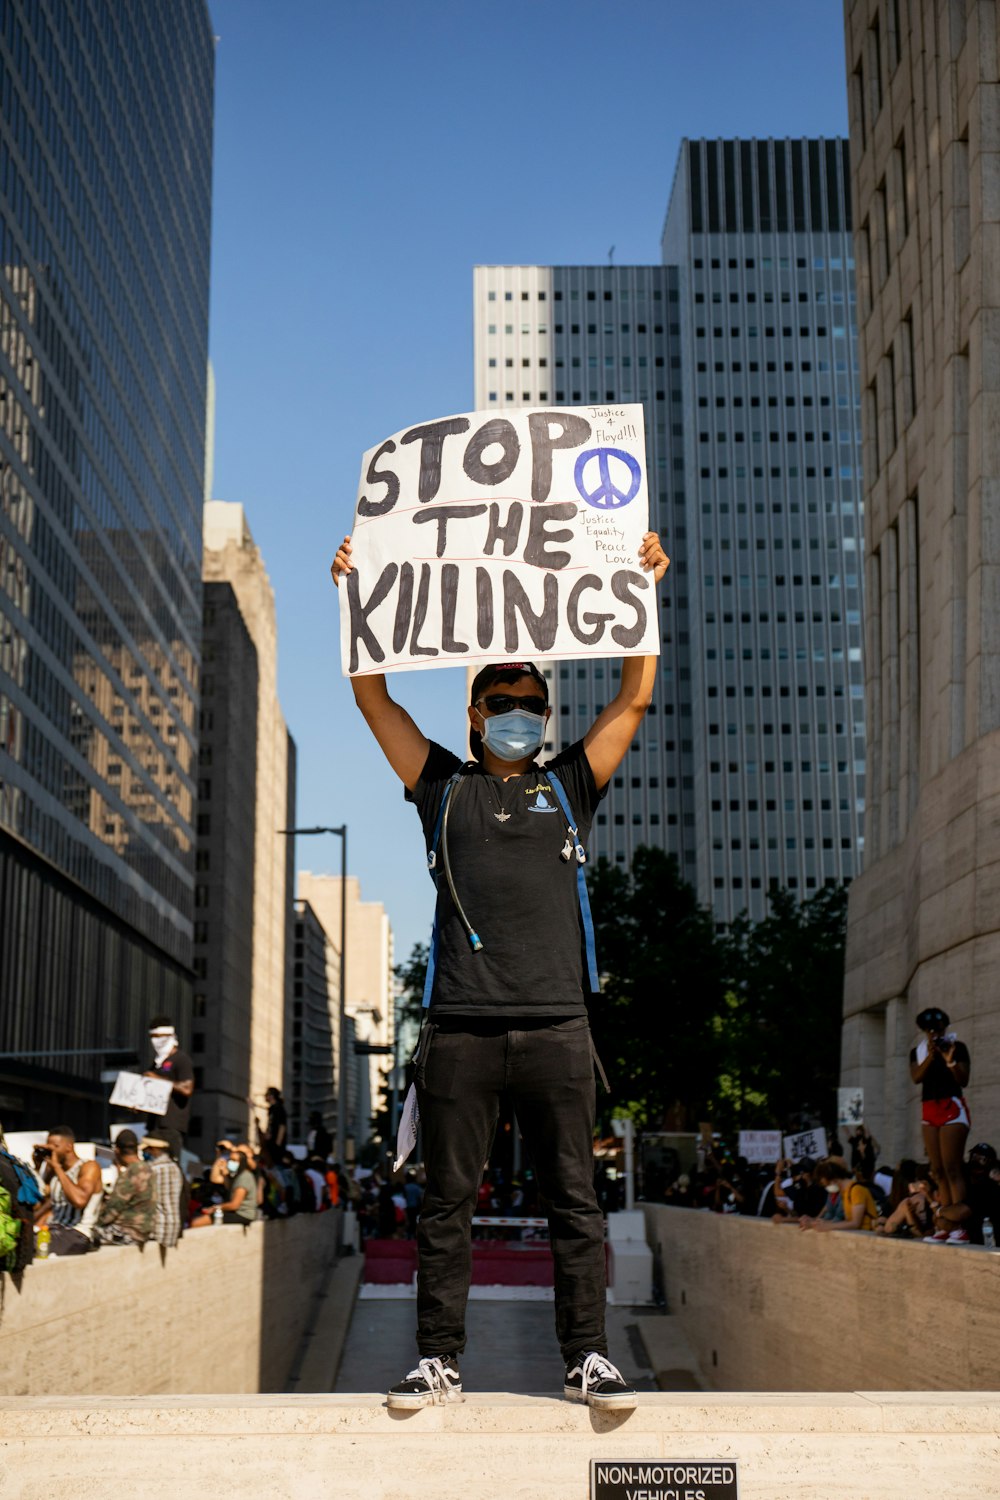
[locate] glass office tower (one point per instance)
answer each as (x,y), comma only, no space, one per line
(741,345)
(105,199)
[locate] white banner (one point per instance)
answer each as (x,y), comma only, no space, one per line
(483,537)
(134,1091)
(762,1147)
(807,1143)
(850,1106)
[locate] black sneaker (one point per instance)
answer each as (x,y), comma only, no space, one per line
(433,1380)
(592,1378)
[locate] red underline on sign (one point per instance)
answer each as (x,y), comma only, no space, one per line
(509,562)
(405,510)
(457,659)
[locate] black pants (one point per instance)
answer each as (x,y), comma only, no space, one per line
(547,1069)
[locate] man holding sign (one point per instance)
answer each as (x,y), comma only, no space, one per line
(510,964)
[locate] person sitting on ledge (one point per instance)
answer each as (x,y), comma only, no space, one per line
(73,1192)
(168,1190)
(241,1205)
(962,1223)
(859,1208)
(128,1212)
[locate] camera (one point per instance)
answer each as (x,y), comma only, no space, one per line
(40,1155)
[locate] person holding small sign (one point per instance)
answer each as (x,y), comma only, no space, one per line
(170,1063)
(507,1007)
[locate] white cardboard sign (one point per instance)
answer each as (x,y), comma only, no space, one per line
(811,1143)
(850,1106)
(134,1091)
(762,1147)
(488,537)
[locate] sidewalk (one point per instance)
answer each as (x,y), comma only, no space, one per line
(512,1347)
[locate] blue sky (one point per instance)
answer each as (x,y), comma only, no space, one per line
(367,156)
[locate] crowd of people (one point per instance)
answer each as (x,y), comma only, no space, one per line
(849,1190)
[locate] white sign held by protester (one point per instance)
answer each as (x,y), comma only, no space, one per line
(811,1143)
(850,1106)
(483,537)
(762,1147)
(134,1091)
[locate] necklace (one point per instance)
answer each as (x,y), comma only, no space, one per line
(502,815)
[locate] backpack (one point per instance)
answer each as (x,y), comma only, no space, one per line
(27,1192)
(10,1231)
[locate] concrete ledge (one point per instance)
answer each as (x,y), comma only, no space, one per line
(787,1447)
(225,1311)
(772,1308)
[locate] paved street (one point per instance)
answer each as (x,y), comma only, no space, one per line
(511,1347)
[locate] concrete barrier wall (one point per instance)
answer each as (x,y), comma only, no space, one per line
(768,1308)
(224,1312)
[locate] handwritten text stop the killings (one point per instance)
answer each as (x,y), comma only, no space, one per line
(508,606)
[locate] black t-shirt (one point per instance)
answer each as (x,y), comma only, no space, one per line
(177,1067)
(939,1082)
(519,895)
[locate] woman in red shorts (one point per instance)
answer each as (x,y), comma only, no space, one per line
(940,1064)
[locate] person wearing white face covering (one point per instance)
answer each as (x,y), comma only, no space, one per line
(171,1063)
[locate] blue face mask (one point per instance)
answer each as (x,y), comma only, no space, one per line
(513,736)
(233,1166)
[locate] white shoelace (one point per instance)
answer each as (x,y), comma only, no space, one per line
(437,1378)
(595,1368)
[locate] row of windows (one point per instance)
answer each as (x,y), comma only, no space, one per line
(845,471)
(787,331)
(781,263)
(590,296)
(817,295)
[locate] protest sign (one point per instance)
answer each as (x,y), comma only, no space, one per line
(810,1143)
(134,1091)
(850,1106)
(762,1147)
(482,537)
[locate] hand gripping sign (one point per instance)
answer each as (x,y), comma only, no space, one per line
(481,536)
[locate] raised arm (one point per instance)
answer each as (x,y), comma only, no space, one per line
(404,746)
(611,733)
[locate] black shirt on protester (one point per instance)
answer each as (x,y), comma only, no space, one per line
(518,893)
(177,1068)
(939,1082)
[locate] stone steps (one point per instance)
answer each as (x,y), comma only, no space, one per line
(844,1446)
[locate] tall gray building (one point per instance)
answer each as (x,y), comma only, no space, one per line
(105,198)
(761,234)
(741,348)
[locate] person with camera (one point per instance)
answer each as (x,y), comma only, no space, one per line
(940,1063)
(73,1191)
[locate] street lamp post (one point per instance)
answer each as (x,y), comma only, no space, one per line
(341,833)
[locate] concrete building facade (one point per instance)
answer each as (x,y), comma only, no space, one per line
(370,987)
(924,917)
(749,767)
(105,209)
(242,1029)
(312,1045)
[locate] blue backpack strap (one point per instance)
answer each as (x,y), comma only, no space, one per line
(432,869)
(586,917)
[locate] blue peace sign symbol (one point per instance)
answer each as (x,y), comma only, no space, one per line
(606,495)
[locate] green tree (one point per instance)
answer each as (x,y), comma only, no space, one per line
(662,969)
(779,1023)
(409,1012)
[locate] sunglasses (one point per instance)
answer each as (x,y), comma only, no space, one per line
(503,703)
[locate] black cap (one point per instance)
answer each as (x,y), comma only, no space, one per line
(805,1164)
(126,1140)
(932,1017)
(504,671)
(984,1149)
